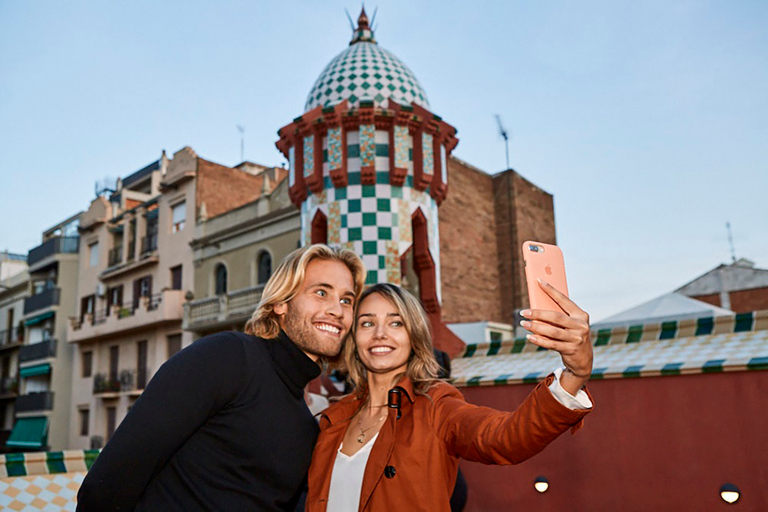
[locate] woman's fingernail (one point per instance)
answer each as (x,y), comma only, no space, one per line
(525,323)
(530,337)
(526,313)
(542,281)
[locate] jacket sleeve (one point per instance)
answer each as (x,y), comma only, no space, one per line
(486,435)
(187,390)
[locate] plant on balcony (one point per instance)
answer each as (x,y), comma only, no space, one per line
(103,384)
(126,380)
(124,313)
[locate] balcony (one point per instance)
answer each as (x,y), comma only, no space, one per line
(42,350)
(46,299)
(165,307)
(34,402)
(148,244)
(127,381)
(58,245)
(9,388)
(115,256)
(230,309)
(11,338)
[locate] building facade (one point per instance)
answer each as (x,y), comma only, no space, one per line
(14,287)
(136,272)
(45,360)
(235,254)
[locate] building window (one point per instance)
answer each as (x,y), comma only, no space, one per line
(141,365)
(87,363)
(114,298)
(265,267)
(114,361)
(174,344)
(176,278)
(179,216)
(87,306)
(84,418)
(221,279)
(141,288)
(93,254)
(111,421)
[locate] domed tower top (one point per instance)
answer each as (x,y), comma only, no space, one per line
(365,72)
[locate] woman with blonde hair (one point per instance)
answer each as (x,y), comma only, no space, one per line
(395,441)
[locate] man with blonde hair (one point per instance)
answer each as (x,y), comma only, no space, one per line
(223,424)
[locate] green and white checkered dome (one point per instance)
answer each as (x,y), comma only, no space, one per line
(366,71)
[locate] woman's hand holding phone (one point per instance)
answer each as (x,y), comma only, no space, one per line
(565,332)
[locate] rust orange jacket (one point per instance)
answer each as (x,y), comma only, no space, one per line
(413,463)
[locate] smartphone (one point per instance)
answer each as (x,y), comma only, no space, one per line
(545,262)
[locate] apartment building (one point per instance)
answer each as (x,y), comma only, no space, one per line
(14,286)
(235,254)
(45,360)
(136,272)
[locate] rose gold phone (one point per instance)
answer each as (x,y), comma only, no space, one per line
(545,262)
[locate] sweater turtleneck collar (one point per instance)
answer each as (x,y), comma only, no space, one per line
(293,366)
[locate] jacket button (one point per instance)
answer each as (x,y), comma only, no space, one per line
(390,471)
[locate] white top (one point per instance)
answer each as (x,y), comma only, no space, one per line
(348,470)
(347,478)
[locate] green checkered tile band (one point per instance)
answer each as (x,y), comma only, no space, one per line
(44,463)
(490,364)
(366,72)
(741,322)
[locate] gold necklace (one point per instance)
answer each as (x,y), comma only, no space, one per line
(362,436)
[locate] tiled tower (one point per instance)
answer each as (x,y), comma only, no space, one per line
(368,169)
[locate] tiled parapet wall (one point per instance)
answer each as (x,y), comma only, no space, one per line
(743,322)
(724,344)
(43,480)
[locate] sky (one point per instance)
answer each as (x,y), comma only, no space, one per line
(647,121)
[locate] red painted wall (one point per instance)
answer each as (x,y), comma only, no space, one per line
(652,443)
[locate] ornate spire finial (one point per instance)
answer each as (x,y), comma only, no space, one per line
(363,33)
(362,21)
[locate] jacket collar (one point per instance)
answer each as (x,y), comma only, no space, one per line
(293,366)
(345,408)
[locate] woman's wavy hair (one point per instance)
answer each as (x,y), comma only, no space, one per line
(422,368)
(287,280)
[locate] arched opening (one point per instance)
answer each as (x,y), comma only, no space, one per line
(320,228)
(264,264)
(221,279)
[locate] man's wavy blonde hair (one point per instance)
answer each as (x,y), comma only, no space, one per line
(287,280)
(422,368)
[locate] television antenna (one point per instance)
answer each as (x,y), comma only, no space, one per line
(241,129)
(505,135)
(730,242)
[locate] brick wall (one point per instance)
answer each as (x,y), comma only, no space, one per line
(468,259)
(223,188)
(523,212)
(755,299)
(483,223)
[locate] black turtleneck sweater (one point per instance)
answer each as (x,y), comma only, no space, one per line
(221,426)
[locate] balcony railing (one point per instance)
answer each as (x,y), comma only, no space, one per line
(234,307)
(35,402)
(148,243)
(126,380)
(58,245)
(41,350)
(9,386)
(162,307)
(49,297)
(115,256)
(11,337)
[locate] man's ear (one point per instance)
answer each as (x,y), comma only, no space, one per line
(280,309)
